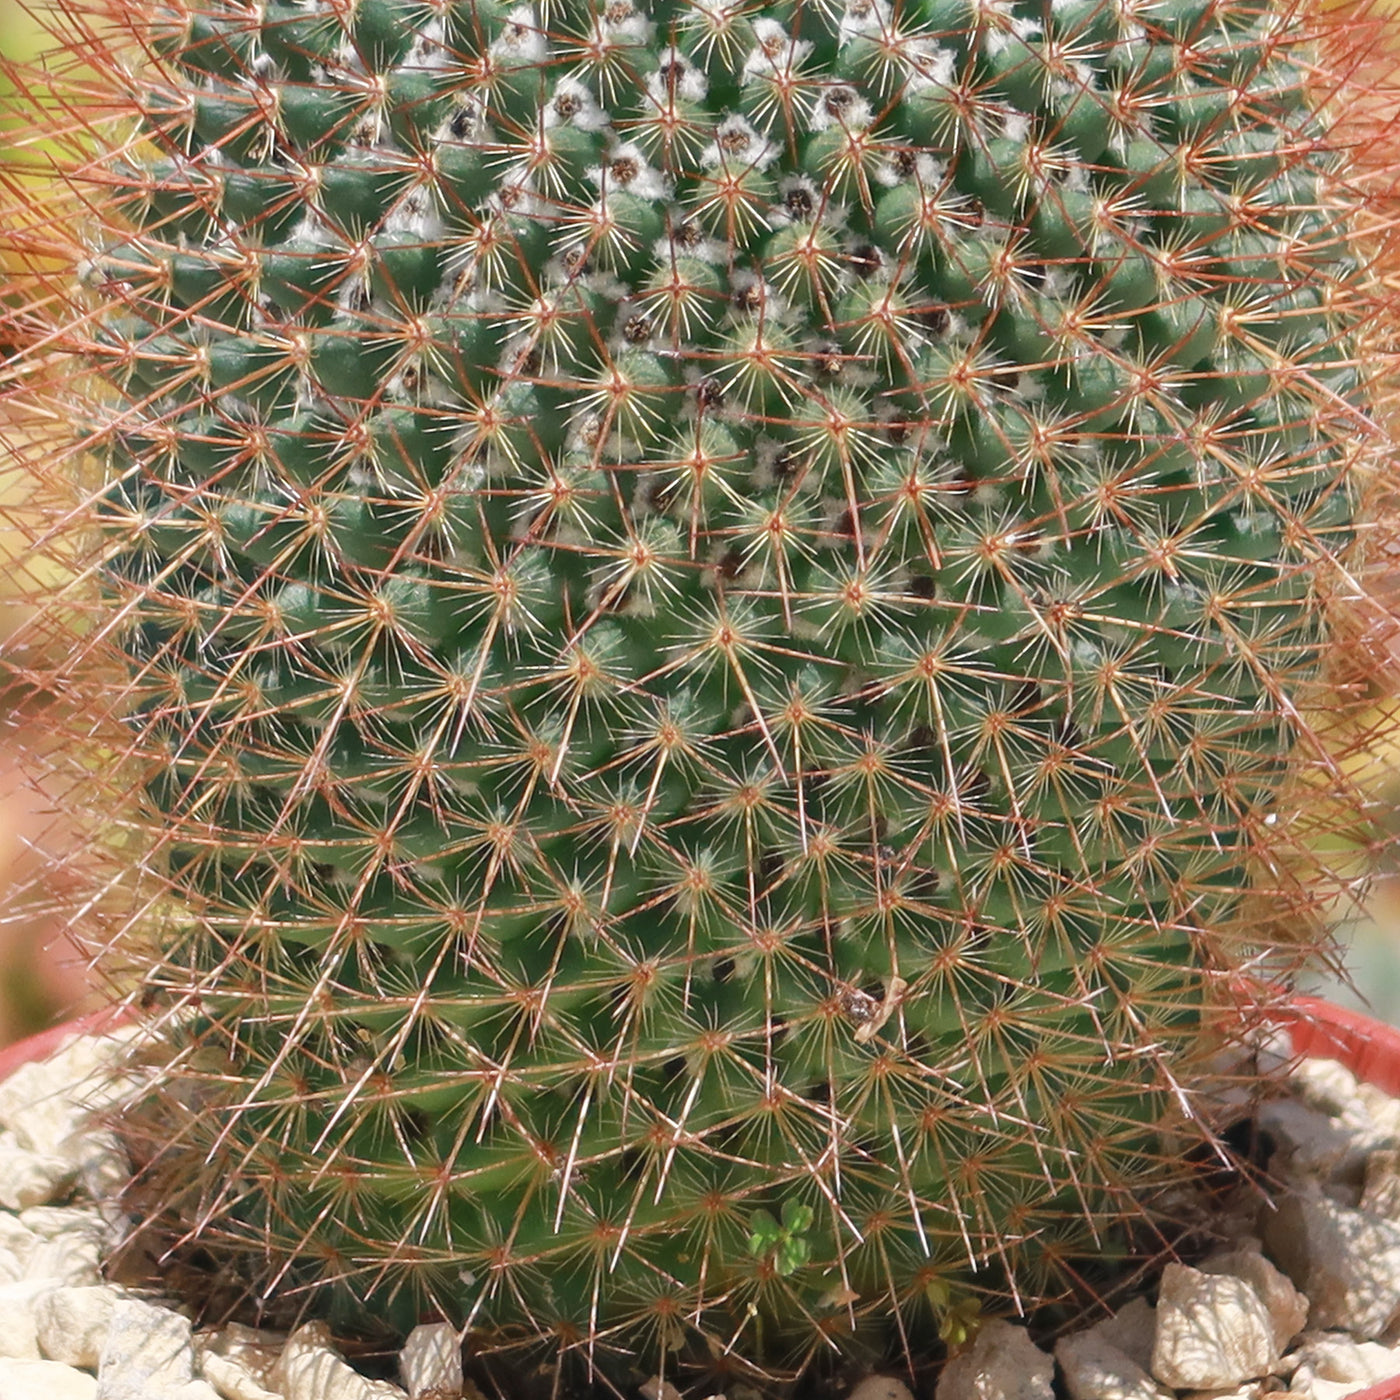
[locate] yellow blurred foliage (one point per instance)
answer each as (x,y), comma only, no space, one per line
(21,36)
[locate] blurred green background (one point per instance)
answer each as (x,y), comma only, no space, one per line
(1370,933)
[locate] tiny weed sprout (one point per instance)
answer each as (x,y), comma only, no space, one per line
(711,649)
(782,1243)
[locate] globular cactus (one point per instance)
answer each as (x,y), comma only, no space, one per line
(717,603)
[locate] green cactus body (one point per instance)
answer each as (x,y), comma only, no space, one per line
(716,596)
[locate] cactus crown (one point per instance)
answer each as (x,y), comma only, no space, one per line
(715,602)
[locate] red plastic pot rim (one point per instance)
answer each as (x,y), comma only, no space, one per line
(1320,1030)
(45,1043)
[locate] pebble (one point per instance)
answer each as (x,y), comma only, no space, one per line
(1095,1369)
(46,1103)
(1335,1357)
(254,1349)
(17,1244)
(69,1244)
(101,1167)
(1346,1261)
(1328,1085)
(880,1388)
(1380,1191)
(1333,1365)
(72,1323)
(1286,1307)
(61,1246)
(148,1354)
(234,1381)
(1310,1144)
(1362,1114)
(1375,1110)
(1131,1330)
(1213,1331)
(69,1260)
(430,1363)
(1315,1388)
(44,1380)
(1238,1392)
(309,1369)
(19,1338)
(1002,1363)
(30,1178)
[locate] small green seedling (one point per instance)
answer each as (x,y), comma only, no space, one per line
(784,1243)
(958,1319)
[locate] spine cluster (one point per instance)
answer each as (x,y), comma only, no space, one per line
(715,606)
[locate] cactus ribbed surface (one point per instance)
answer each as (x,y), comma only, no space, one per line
(716,598)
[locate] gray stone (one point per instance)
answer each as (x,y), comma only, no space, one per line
(1319,1389)
(1094,1369)
(46,1102)
(1213,1331)
(44,1380)
(1378,1113)
(253,1348)
(36,1105)
(17,1244)
(1131,1330)
(1326,1085)
(1346,1261)
(309,1369)
(880,1388)
(72,1323)
(233,1380)
(1366,1362)
(49,1222)
(1367,1115)
(1287,1308)
(19,1337)
(1002,1363)
(1330,1359)
(99,1164)
(30,1178)
(148,1355)
(430,1363)
(1253,1391)
(1311,1145)
(68,1244)
(1380,1193)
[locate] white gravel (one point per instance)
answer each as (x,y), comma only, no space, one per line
(431,1362)
(1303,1305)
